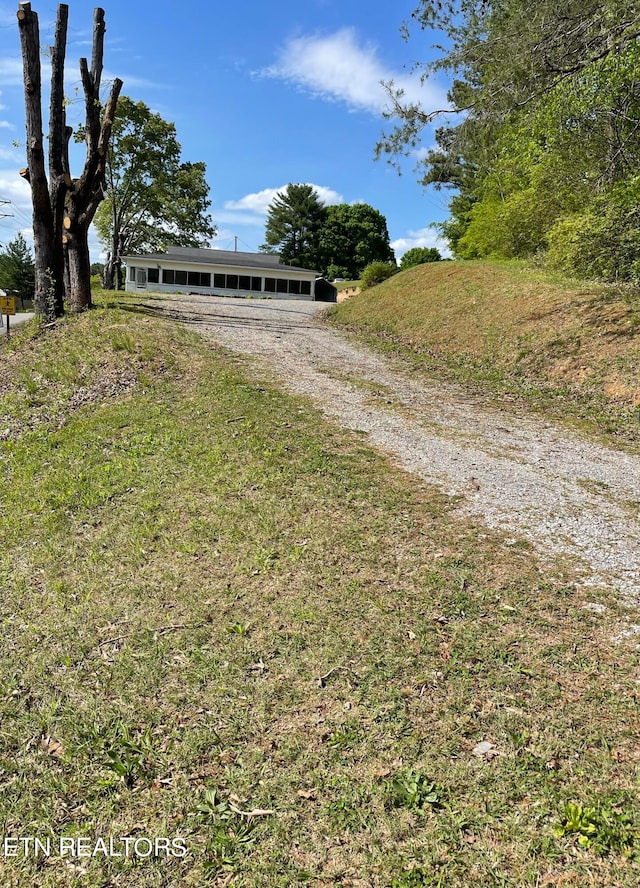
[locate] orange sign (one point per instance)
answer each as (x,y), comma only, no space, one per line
(7,305)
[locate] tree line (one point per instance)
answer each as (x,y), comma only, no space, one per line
(541,148)
(339,241)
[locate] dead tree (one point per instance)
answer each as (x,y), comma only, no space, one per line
(63,208)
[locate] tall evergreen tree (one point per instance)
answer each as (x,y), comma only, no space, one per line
(294,221)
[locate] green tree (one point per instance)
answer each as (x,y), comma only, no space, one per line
(352,237)
(294,220)
(153,198)
(419,256)
(551,104)
(17,269)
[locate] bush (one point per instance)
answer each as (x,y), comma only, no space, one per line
(376,273)
(602,243)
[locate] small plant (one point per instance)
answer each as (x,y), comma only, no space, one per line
(345,737)
(232,835)
(602,829)
(129,756)
(415,791)
(239,629)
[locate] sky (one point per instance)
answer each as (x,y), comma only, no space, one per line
(265,93)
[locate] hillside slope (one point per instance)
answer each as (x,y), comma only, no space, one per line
(565,344)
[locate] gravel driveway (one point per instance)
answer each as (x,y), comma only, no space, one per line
(516,473)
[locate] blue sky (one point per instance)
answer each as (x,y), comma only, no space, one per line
(263,93)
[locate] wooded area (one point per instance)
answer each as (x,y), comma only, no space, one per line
(542,142)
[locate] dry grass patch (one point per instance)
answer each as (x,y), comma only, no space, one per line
(559,344)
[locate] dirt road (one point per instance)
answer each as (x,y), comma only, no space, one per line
(518,473)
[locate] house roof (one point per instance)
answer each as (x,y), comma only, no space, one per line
(201,256)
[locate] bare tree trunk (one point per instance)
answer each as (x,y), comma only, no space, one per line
(79,269)
(59,136)
(87,192)
(62,260)
(45,300)
(108,273)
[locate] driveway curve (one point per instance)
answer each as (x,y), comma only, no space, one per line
(518,473)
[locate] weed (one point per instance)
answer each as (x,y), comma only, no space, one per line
(603,828)
(413,790)
(129,753)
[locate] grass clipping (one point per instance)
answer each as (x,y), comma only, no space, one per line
(230,629)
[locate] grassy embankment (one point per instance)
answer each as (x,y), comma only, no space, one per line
(214,606)
(569,348)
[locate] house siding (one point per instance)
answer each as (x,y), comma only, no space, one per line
(263,279)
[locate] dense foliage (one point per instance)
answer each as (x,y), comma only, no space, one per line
(418,256)
(294,221)
(17,270)
(337,241)
(543,154)
(352,237)
(376,273)
(153,197)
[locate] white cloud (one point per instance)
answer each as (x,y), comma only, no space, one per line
(424,237)
(254,207)
(337,68)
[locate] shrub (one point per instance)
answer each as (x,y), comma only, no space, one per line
(376,273)
(602,243)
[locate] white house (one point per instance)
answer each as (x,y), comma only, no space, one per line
(221,273)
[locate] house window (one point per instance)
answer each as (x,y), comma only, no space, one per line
(305,288)
(270,285)
(294,287)
(244,282)
(181,277)
(282,285)
(232,282)
(256,283)
(199,279)
(153,275)
(132,273)
(219,280)
(168,276)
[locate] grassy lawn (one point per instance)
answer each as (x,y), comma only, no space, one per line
(571,349)
(230,625)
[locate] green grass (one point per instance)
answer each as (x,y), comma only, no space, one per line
(569,349)
(228,623)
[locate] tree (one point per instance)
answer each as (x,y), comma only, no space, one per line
(419,256)
(352,237)
(152,197)
(17,273)
(294,220)
(551,102)
(63,208)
